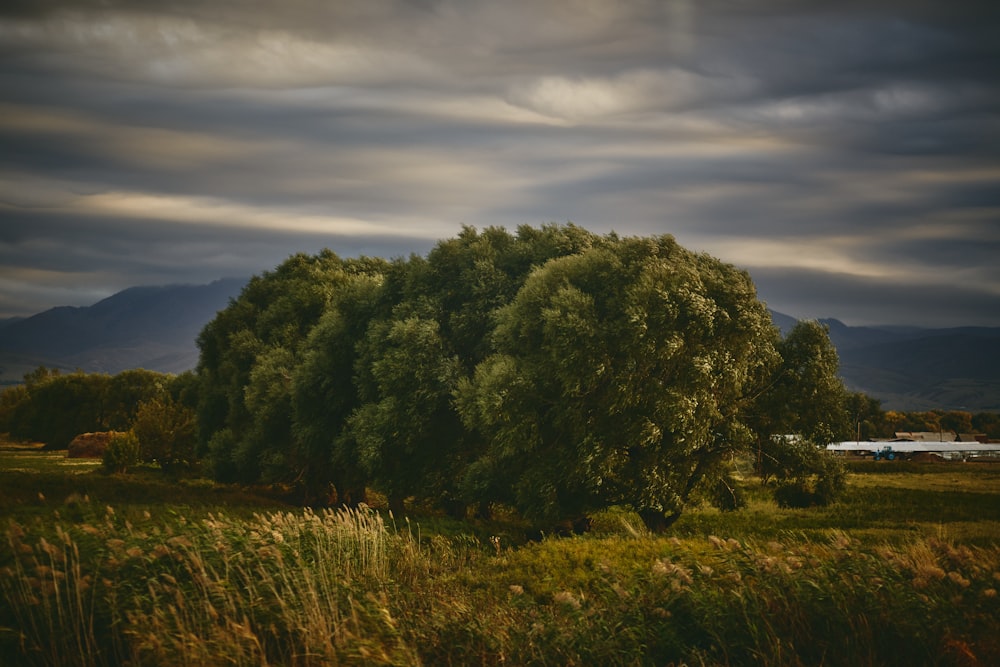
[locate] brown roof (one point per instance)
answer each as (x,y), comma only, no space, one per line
(927,436)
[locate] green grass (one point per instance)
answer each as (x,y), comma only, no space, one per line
(108,570)
(32,458)
(36,483)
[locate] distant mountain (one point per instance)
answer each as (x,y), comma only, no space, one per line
(909,368)
(782,321)
(141,327)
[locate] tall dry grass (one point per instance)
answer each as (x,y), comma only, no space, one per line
(344,588)
(283,588)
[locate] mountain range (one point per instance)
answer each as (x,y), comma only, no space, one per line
(921,369)
(141,327)
(907,368)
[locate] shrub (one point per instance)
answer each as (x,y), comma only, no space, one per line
(727,495)
(831,481)
(122,452)
(824,486)
(167,432)
(796,493)
(806,475)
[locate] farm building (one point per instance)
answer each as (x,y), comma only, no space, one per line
(892,449)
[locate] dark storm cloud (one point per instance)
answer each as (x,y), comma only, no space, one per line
(53,249)
(838,150)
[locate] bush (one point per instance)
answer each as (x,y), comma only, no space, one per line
(727,495)
(831,480)
(122,452)
(167,432)
(824,486)
(806,475)
(796,494)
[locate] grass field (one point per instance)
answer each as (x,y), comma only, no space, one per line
(136,569)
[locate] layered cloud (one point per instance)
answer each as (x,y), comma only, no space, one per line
(847,154)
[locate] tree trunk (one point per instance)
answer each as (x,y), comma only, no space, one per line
(656,521)
(484,510)
(396,505)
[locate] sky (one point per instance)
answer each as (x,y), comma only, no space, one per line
(847,154)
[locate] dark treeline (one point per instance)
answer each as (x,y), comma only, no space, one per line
(550,370)
(53,407)
(885,424)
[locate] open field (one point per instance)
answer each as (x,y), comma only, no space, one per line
(140,570)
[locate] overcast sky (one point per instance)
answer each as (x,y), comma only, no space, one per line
(846,153)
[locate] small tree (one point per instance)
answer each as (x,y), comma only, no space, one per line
(805,395)
(122,452)
(726,494)
(167,432)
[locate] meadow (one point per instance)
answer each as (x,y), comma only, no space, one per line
(137,569)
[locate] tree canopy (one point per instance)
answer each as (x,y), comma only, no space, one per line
(550,369)
(618,378)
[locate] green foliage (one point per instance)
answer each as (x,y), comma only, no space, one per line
(40,375)
(13,401)
(248,355)
(167,432)
(54,408)
(987,423)
(408,436)
(727,494)
(618,379)
(324,394)
(218,458)
(267,445)
(306,372)
(805,397)
(127,390)
(867,420)
(806,475)
(784,456)
(959,421)
(123,452)
(184,389)
(57,408)
(551,370)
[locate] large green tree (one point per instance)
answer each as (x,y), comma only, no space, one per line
(248,356)
(409,439)
(324,394)
(550,369)
(619,377)
(346,370)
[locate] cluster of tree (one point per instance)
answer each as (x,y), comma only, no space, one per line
(552,370)
(959,421)
(156,409)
